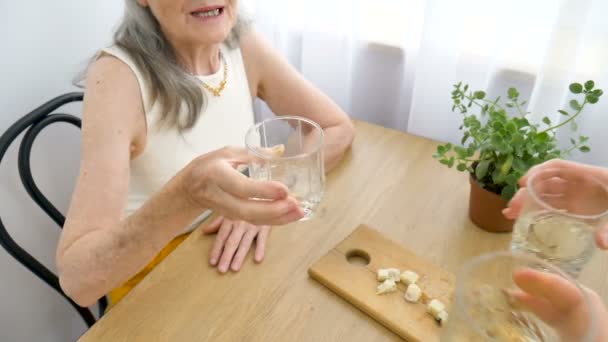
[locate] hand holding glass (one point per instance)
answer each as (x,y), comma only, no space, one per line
(517,297)
(289,150)
(561,212)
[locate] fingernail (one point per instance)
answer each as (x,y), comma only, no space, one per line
(282,193)
(287,207)
(297,214)
(223,268)
(236,267)
(213,261)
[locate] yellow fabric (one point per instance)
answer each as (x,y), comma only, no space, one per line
(118,293)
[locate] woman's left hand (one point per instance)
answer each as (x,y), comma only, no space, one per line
(233,241)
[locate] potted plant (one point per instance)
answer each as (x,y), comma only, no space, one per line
(500,144)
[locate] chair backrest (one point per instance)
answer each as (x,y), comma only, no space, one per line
(34,122)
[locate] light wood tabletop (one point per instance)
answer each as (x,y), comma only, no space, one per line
(390,182)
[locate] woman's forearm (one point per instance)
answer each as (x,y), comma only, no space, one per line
(337,141)
(106,257)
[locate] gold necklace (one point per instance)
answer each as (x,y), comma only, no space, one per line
(217,91)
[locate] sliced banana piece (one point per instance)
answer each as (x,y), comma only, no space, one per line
(442,317)
(435,307)
(276,151)
(386,287)
(389,273)
(413,293)
(409,277)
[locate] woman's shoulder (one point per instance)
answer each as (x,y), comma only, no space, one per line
(119,56)
(112,96)
(253,45)
(257,53)
(108,78)
(115,65)
(110,68)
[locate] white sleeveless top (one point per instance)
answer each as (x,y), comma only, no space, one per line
(223,122)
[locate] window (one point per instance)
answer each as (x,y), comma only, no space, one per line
(515,34)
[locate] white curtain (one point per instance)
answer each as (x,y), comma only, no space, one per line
(393,62)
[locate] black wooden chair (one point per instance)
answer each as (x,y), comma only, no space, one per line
(34,122)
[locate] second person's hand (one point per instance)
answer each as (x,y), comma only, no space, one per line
(516,204)
(561,304)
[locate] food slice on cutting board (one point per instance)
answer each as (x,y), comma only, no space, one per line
(387,286)
(437,309)
(413,293)
(409,277)
(389,273)
(442,317)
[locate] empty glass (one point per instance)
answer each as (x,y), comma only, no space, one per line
(562,210)
(289,149)
(488,304)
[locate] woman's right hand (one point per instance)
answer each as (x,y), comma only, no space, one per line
(212,181)
(561,304)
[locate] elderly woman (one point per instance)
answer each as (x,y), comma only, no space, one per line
(161,106)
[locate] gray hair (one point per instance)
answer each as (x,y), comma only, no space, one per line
(140,35)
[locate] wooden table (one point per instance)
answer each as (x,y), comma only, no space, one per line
(390,181)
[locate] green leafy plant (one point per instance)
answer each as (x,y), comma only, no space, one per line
(500,144)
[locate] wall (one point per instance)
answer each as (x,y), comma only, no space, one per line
(43,45)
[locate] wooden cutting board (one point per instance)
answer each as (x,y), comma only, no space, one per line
(356,283)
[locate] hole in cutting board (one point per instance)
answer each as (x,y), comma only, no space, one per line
(358,257)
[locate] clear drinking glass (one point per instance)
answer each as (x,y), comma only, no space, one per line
(485,309)
(562,210)
(289,149)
